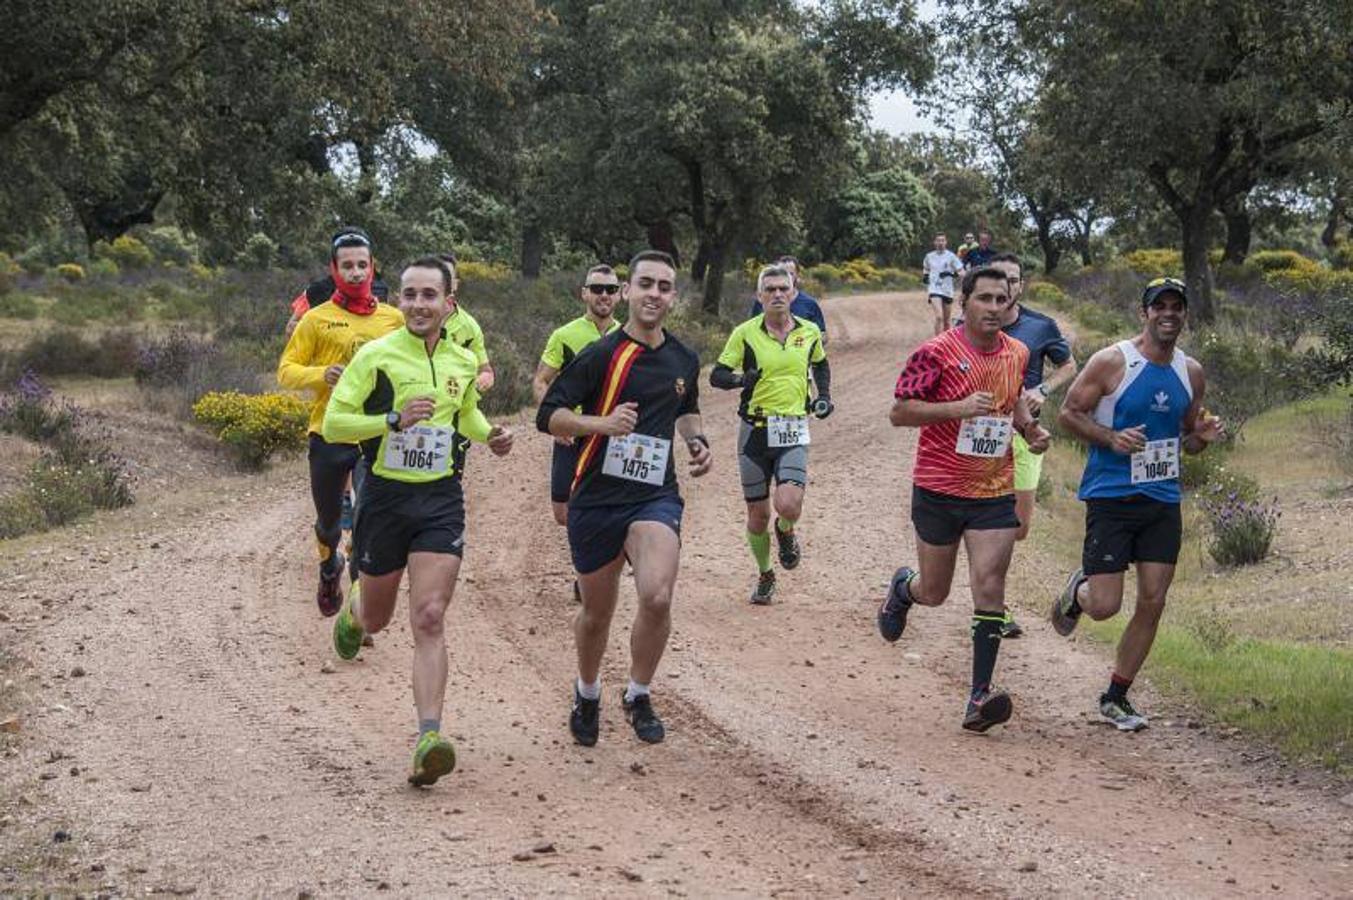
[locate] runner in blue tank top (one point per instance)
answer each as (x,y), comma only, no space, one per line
(1138,404)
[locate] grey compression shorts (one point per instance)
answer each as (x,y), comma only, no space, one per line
(758,463)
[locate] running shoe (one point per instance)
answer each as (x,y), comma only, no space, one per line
(1010,628)
(348,634)
(433,757)
(788,545)
(1062,618)
(1121,714)
(893,611)
(329,597)
(345,520)
(987,709)
(765,589)
(585,720)
(647,726)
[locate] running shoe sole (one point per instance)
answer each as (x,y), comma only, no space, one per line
(348,635)
(439,761)
(892,624)
(994,710)
(1061,622)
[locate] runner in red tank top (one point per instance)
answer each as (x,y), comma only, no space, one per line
(962,389)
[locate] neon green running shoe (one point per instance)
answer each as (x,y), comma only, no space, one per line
(432,758)
(348,634)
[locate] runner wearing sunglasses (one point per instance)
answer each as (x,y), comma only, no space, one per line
(600,293)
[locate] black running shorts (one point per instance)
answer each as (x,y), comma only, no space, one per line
(941,519)
(1124,530)
(395,519)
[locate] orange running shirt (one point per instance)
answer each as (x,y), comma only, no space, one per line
(946,368)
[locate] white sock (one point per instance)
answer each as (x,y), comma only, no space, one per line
(589,691)
(635,689)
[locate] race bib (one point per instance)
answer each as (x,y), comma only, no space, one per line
(420,448)
(786,431)
(637,457)
(1158,462)
(987,436)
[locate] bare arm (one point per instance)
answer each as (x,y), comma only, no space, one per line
(565,422)
(1200,428)
(544,377)
(1099,377)
(915,413)
(691,429)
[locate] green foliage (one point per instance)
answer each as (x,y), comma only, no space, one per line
(67,351)
(17,306)
(878,214)
(71,272)
(170,244)
(1280,260)
(1248,374)
(255,427)
(130,253)
(1044,294)
(102,268)
(258,253)
(1341,256)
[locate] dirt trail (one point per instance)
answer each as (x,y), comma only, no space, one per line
(213,753)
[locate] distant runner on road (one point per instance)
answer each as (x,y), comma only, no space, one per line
(962,389)
(600,294)
(315,356)
(1137,404)
(773,353)
(407,397)
(638,388)
(940,270)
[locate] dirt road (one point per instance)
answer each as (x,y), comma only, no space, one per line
(208,740)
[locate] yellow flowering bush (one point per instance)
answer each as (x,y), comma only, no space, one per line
(1280,260)
(1045,293)
(71,272)
(254,426)
(470,270)
(1152,263)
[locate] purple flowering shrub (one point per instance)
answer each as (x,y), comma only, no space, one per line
(1242,528)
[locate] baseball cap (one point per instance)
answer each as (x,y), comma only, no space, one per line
(1157,286)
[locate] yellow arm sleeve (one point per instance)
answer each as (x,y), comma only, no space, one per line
(294,371)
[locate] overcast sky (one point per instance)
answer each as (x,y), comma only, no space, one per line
(893,111)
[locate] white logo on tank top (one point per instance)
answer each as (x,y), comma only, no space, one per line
(1162,404)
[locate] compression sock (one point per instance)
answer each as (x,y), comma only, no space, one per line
(783,525)
(589,691)
(635,689)
(986,643)
(1118,688)
(760,544)
(426,725)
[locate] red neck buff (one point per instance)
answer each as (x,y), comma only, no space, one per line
(355,298)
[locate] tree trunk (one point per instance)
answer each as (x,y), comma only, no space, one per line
(532,249)
(1047,241)
(1239,228)
(106,218)
(714,271)
(1083,231)
(700,264)
(661,236)
(1193,228)
(1330,236)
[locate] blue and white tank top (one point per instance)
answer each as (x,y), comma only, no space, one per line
(1149,394)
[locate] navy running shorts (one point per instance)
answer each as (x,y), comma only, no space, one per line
(596,534)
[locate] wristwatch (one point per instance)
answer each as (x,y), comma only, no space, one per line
(1042,389)
(392,420)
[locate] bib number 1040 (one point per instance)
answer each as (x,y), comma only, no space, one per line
(1159,461)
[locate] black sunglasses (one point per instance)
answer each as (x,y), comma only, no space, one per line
(600,289)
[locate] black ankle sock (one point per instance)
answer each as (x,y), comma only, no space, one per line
(986,643)
(1118,688)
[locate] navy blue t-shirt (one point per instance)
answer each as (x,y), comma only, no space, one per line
(1043,338)
(977,257)
(803,306)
